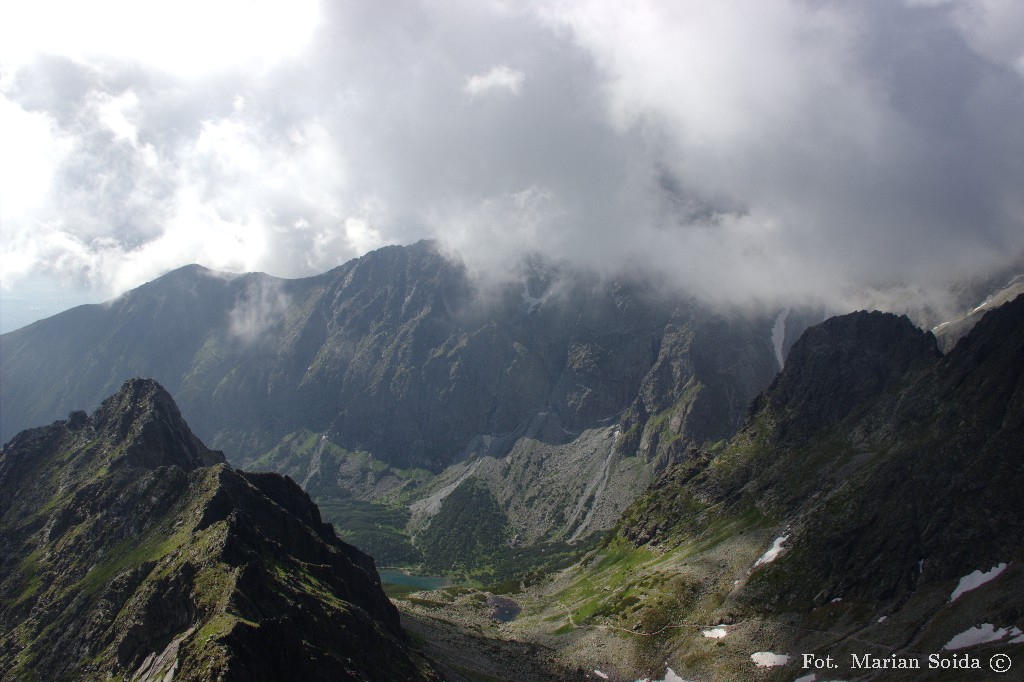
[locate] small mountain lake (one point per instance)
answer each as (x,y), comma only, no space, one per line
(503,610)
(420,582)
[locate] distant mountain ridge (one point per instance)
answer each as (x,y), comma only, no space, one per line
(130,550)
(393,352)
(399,358)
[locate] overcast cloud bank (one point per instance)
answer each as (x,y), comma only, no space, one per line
(776,151)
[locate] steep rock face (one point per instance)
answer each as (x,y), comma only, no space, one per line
(131,549)
(396,353)
(871,478)
(952,330)
(842,365)
(878,451)
(399,359)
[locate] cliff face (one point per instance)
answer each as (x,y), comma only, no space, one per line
(398,354)
(879,452)
(130,549)
(370,381)
(869,482)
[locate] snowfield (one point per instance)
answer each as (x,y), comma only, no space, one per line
(980,634)
(976,579)
(766,659)
(773,552)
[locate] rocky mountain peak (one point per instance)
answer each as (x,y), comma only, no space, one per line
(144,418)
(124,555)
(869,500)
(841,364)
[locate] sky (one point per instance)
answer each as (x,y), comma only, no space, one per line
(769,151)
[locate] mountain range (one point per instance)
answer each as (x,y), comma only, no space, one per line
(710,513)
(396,380)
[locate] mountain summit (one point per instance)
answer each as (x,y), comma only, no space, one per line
(379,384)
(130,550)
(869,505)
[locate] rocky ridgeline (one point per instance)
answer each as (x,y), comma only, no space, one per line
(131,550)
(891,462)
(869,482)
(401,356)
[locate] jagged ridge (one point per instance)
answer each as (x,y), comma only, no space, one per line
(130,549)
(880,471)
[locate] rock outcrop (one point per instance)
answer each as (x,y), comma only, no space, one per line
(398,354)
(131,550)
(872,484)
(399,357)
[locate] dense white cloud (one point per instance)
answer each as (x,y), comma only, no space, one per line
(187,37)
(849,139)
(773,149)
(500,77)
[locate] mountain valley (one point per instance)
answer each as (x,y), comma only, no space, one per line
(394,381)
(868,507)
(628,474)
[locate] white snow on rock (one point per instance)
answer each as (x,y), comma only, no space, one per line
(766,659)
(715,633)
(670,676)
(980,634)
(779,335)
(603,676)
(806,678)
(975,580)
(773,552)
(882,619)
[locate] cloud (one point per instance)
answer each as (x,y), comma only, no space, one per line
(258,310)
(772,150)
(39,149)
(834,146)
(187,38)
(500,77)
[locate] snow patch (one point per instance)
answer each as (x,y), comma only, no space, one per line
(882,619)
(773,552)
(779,336)
(980,634)
(976,579)
(670,676)
(766,659)
(715,633)
(603,676)
(806,678)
